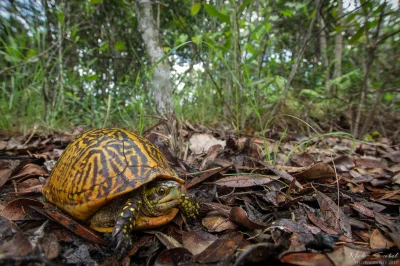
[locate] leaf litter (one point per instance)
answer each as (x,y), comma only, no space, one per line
(326,201)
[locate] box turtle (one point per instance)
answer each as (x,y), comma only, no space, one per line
(118,182)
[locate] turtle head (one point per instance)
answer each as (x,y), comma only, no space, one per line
(161,196)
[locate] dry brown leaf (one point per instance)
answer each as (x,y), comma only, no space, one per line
(240,216)
(221,248)
(168,241)
(201,143)
(334,216)
(346,256)
(307,259)
(244,180)
(4,176)
(319,170)
(378,241)
(197,241)
(216,222)
(370,163)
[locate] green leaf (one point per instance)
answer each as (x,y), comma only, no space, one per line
(60,16)
(92,77)
(387,97)
(31,53)
(212,11)
(268,26)
(120,45)
(74,31)
(250,48)
(197,39)
(309,92)
(95,2)
(243,6)
(195,9)
(287,13)
(103,47)
(356,36)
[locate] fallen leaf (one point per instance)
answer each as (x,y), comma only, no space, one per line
(307,259)
(66,221)
(173,257)
(50,246)
(244,180)
(168,241)
(220,249)
(378,241)
(4,175)
(201,143)
(370,163)
(333,214)
(319,170)
(346,256)
(240,216)
(13,242)
(216,222)
(197,241)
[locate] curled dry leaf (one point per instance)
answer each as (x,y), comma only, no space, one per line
(319,170)
(307,259)
(212,154)
(173,257)
(50,246)
(303,159)
(30,170)
(66,221)
(19,209)
(370,163)
(240,216)
(346,256)
(216,222)
(245,180)
(12,241)
(378,241)
(197,241)
(334,216)
(220,249)
(200,143)
(4,176)
(168,241)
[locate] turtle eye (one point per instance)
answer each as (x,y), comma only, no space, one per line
(162,191)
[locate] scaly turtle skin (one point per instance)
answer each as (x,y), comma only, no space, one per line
(118,182)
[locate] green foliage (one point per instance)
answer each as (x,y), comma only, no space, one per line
(231,62)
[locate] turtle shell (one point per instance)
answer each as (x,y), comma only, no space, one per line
(101,165)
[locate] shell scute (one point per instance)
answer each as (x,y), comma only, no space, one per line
(100,165)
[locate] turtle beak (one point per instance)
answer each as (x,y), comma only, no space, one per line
(174,193)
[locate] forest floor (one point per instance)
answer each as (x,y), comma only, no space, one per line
(310,201)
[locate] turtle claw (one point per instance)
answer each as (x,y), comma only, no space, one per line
(122,242)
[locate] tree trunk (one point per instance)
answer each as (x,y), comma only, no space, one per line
(338,46)
(323,47)
(161,82)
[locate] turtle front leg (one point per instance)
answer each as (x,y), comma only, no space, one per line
(189,206)
(124,224)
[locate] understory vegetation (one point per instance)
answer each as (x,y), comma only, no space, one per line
(236,64)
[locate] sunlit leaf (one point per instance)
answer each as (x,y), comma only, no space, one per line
(243,6)
(357,36)
(120,45)
(95,2)
(250,48)
(195,9)
(387,96)
(287,13)
(197,39)
(212,11)
(60,17)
